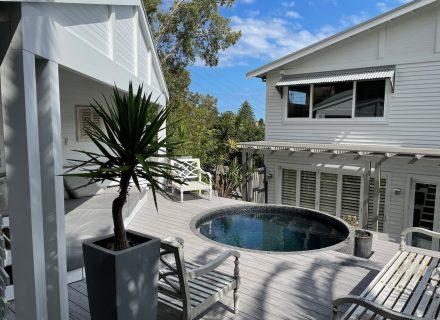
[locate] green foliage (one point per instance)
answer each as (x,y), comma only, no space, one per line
(129,149)
(248,128)
(227,178)
(190,30)
(197,122)
(186,32)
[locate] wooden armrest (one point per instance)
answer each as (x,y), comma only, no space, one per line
(372,306)
(427,232)
(200,271)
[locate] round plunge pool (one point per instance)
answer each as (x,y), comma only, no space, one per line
(274,228)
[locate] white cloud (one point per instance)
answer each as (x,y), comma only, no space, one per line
(293,14)
(382,6)
(288,4)
(247,1)
(268,39)
(253,13)
(354,19)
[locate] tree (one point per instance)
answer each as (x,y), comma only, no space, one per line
(186,32)
(246,122)
(190,30)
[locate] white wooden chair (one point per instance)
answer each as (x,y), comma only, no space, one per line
(189,172)
(407,288)
(191,288)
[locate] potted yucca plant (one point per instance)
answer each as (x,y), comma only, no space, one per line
(122,268)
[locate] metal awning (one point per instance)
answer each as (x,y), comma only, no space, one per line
(338,76)
(359,149)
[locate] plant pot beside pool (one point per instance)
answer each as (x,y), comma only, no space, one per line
(363,243)
(122,285)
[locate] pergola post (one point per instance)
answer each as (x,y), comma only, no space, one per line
(376,197)
(244,169)
(22,154)
(51,164)
(366,193)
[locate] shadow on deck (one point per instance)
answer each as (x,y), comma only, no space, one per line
(274,286)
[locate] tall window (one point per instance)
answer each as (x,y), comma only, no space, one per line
(370,98)
(333,100)
(298,104)
(339,100)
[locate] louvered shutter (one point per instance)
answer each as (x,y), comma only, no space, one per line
(383,184)
(84,116)
(351,196)
(307,191)
(328,192)
(288,188)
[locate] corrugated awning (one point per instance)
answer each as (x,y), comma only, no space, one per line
(359,149)
(338,76)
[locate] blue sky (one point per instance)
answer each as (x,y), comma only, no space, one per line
(271,29)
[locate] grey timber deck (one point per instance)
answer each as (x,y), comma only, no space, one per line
(274,286)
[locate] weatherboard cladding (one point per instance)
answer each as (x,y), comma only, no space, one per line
(337,76)
(412,114)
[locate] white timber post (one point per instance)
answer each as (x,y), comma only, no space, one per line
(365,196)
(22,154)
(376,197)
(250,177)
(51,164)
(244,169)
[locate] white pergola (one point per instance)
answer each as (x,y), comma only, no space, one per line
(34,51)
(373,156)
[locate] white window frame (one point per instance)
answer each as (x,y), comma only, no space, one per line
(79,136)
(353,119)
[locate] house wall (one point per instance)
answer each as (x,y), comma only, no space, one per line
(398,172)
(411,43)
(108,42)
(76,90)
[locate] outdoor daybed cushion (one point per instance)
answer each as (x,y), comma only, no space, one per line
(78,187)
(91,217)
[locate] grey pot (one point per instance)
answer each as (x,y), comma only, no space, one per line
(363,245)
(122,285)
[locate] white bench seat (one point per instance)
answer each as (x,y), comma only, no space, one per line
(408,287)
(192,186)
(189,172)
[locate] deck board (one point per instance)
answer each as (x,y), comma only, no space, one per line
(274,286)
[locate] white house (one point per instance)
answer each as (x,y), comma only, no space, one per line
(56,56)
(353,123)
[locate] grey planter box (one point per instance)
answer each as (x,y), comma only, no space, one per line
(363,245)
(122,285)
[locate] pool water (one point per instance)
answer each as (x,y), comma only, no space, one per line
(273,231)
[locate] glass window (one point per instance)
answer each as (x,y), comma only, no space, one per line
(370,97)
(333,100)
(298,104)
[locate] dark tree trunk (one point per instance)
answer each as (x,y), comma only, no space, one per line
(120,240)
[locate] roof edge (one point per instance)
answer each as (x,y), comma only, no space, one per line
(366,25)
